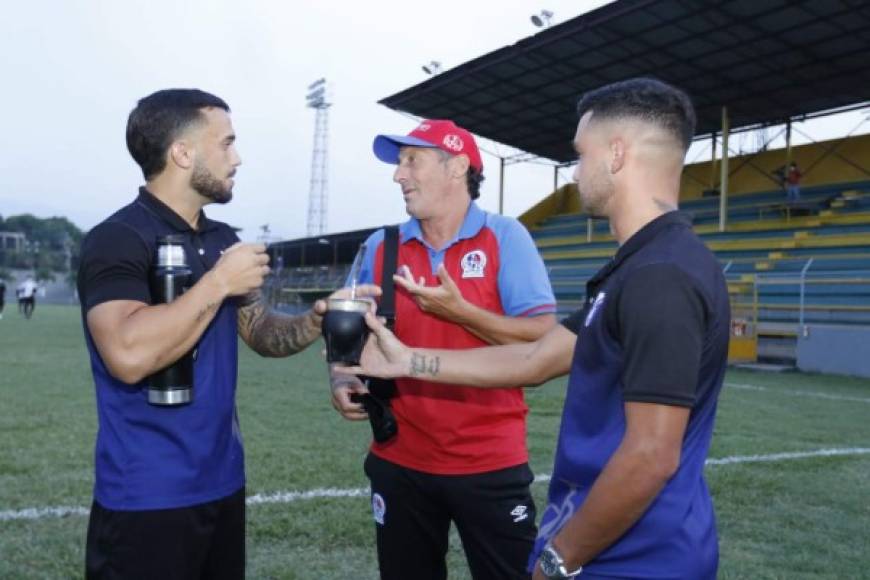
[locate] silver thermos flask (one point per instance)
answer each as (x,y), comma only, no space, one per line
(170,277)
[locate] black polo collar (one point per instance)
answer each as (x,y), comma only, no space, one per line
(168,215)
(641,238)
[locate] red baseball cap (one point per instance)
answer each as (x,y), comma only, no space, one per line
(437,133)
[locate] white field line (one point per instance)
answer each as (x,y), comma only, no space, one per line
(811,394)
(331,492)
(320,492)
(767,458)
(41,513)
(788,456)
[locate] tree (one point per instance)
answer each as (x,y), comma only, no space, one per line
(52,243)
(51,233)
(44,274)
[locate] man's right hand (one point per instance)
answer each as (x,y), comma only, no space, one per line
(242,268)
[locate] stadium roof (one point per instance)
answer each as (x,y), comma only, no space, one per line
(768,61)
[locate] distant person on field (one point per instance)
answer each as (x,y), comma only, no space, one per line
(27,296)
(2,297)
(793,177)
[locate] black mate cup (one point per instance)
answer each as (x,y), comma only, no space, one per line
(170,277)
(345,330)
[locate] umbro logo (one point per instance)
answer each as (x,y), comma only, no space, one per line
(520,513)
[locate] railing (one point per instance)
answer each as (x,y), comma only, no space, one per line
(854,307)
(295,288)
(804,271)
(312,278)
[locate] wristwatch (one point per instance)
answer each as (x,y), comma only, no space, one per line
(553,565)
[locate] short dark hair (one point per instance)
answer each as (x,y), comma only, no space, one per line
(159,118)
(646,99)
(473,177)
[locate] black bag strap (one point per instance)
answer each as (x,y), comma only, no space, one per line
(387,304)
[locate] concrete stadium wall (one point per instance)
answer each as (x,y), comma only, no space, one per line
(563,200)
(818,166)
(842,350)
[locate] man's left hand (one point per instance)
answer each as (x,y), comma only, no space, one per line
(444,301)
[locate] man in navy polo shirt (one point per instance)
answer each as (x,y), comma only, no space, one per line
(646,354)
(169,499)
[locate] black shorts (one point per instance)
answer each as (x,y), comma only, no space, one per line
(493,512)
(205,541)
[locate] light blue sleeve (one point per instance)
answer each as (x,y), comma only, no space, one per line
(367,272)
(523,282)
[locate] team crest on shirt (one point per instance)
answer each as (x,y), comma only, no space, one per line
(473,264)
(379,508)
(596,306)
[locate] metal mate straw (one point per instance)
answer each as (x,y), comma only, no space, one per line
(354,270)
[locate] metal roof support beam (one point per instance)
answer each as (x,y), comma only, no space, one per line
(749,161)
(501,186)
(723,179)
(713,161)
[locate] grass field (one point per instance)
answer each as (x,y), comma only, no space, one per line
(791,517)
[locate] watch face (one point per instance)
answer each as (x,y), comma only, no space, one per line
(549,563)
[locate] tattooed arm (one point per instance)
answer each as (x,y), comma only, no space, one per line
(275,334)
(529,363)
(136,339)
(493,366)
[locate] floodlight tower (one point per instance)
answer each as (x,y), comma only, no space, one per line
(318,193)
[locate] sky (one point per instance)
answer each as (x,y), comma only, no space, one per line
(73,69)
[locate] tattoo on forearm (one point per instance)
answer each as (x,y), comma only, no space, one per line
(271,333)
(211,306)
(422,365)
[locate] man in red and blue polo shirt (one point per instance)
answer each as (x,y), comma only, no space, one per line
(466,278)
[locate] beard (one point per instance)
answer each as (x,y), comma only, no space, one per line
(595,193)
(210,187)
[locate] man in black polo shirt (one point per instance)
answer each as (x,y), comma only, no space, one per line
(646,354)
(169,498)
